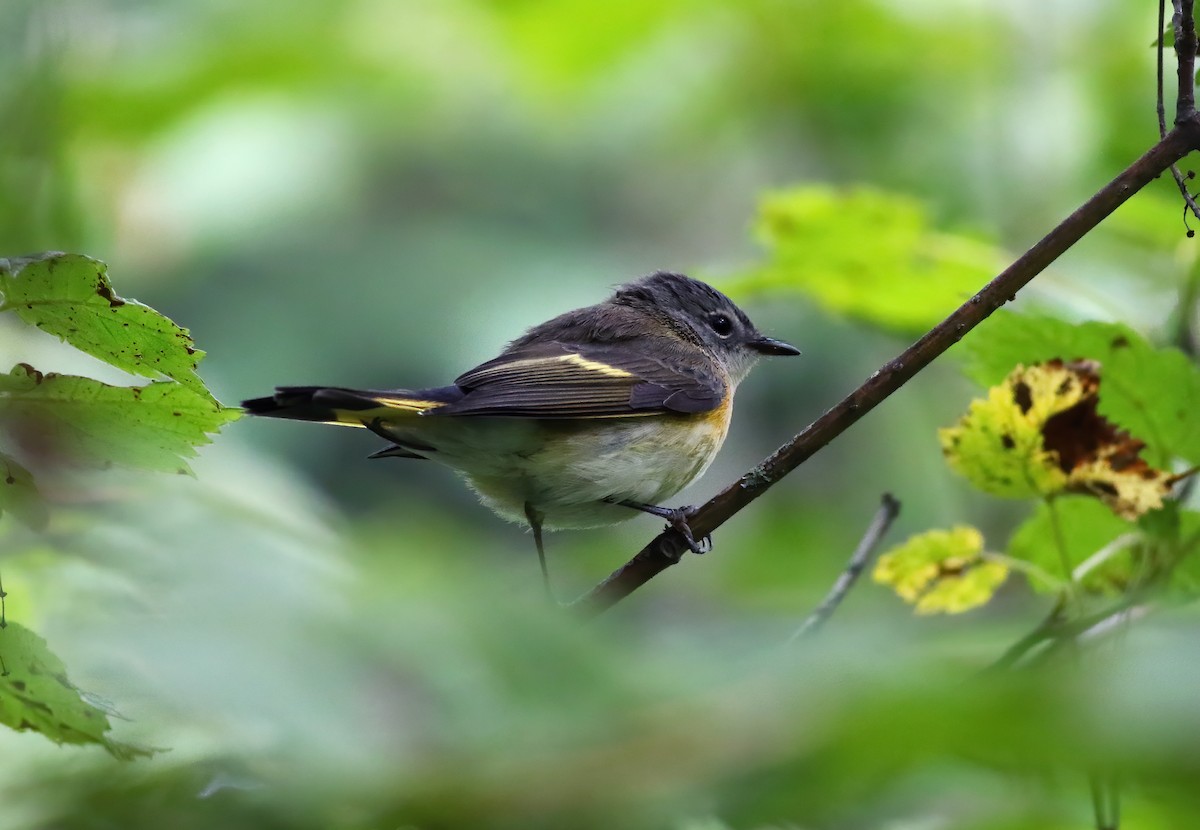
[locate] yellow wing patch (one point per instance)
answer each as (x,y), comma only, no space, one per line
(537,370)
(595,366)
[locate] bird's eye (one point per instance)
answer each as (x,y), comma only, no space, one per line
(721,324)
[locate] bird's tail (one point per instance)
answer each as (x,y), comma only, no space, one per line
(349,407)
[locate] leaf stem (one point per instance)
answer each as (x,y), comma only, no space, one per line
(1027,568)
(1101,556)
(1060,542)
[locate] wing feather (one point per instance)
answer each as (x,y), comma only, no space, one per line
(563,380)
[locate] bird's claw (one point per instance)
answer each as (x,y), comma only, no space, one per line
(677,520)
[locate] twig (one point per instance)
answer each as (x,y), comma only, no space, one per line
(1101,556)
(652,559)
(1184,26)
(1162,110)
(1188,200)
(888,510)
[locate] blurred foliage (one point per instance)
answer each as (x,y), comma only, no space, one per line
(65,421)
(380,193)
(37,695)
(831,245)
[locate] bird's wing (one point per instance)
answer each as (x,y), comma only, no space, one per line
(565,380)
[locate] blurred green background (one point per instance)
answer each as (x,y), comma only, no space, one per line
(373,193)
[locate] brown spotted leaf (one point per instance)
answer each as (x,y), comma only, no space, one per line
(1039,432)
(80,422)
(70,297)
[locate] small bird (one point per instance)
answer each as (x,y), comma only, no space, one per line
(581,421)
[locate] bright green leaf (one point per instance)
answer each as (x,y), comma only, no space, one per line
(82,422)
(1087,528)
(36,694)
(69,296)
(1151,393)
(19,495)
(942,571)
(868,254)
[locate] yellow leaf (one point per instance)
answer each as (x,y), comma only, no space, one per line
(972,588)
(941,571)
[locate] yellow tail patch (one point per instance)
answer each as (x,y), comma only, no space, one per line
(359,417)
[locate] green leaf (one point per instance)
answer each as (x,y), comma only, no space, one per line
(1168,39)
(70,297)
(1087,527)
(19,495)
(35,694)
(868,254)
(1151,393)
(82,422)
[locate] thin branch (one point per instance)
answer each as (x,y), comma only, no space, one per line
(1189,201)
(654,557)
(1184,25)
(889,509)
(1118,545)
(1180,182)
(1162,110)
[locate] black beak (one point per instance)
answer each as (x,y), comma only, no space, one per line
(769,345)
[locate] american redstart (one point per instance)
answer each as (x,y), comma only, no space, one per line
(581,421)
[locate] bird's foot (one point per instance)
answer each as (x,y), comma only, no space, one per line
(677,520)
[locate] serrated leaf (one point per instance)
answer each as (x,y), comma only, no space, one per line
(70,297)
(941,571)
(1038,433)
(867,254)
(35,694)
(19,495)
(1153,393)
(1087,527)
(82,422)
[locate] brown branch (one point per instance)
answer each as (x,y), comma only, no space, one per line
(1189,202)
(1185,58)
(884,516)
(659,554)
